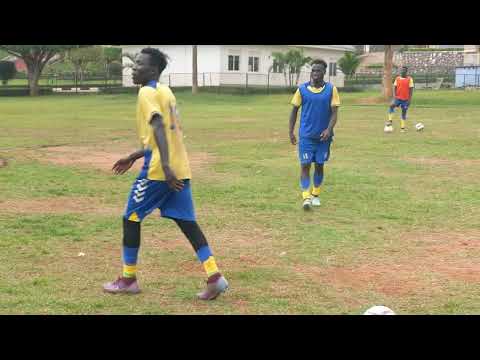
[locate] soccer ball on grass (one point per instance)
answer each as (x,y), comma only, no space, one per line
(419,127)
(379,310)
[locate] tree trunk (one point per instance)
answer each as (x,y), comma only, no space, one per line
(194,70)
(387,72)
(33,77)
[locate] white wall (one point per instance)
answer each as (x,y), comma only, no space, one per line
(180,63)
(213,64)
(264,52)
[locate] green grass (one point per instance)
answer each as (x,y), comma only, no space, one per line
(396,209)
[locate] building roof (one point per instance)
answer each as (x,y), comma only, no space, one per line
(329,47)
(326,47)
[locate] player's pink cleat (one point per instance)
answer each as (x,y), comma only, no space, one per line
(216,285)
(122,286)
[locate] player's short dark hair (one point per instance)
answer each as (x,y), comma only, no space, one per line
(157,58)
(319,62)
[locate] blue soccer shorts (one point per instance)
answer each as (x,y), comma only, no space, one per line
(147,195)
(313,151)
(402,103)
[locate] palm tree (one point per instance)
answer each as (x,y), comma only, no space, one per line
(296,61)
(349,63)
(194,70)
(387,72)
(280,60)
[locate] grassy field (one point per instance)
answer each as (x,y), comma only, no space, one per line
(399,224)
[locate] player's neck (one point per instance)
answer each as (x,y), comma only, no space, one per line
(318,84)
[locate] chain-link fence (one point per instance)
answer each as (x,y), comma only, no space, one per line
(266,82)
(427,78)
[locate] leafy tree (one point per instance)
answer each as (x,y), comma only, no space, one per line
(280,60)
(7,71)
(296,60)
(81,57)
(349,63)
(35,58)
(292,63)
(111,57)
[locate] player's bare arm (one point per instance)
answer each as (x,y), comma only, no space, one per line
(293,120)
(159,130)
(122,165)
(327,133)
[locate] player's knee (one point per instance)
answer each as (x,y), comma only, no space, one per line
(306,167)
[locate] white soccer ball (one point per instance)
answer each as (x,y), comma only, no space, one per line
(419,127)
(379,310)
(388,129)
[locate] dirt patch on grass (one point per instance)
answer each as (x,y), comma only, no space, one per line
(103,158)
(443,162)
(371,101)
(419,262)
(59,205)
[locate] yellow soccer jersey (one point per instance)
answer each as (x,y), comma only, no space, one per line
(297,98)
(160,100)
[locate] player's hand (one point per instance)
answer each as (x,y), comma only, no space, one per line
(171,179)
(122,165)
(325,135)
(293,139)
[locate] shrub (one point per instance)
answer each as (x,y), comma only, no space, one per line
(7,71)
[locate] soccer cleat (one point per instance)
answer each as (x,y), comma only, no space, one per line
(215,287)
(122,286)
(307,204)
(388,128)
(403,130)
(316,201)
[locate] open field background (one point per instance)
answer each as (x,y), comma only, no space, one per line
(399,224)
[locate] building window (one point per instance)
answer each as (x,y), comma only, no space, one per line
(233,62)
(332,69)
(253,63)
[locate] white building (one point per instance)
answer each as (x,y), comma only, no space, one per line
(236,65)
(471,55)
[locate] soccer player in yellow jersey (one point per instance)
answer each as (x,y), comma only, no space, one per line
(164,181)
(403,92)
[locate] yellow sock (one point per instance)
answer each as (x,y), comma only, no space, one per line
(306,194)
(390,116)
(402,123)
(316,191)
(210,266)
(129,271)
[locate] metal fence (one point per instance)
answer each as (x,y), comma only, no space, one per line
(424,78)
(239,80)
(428,78)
